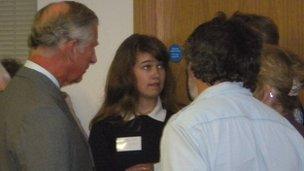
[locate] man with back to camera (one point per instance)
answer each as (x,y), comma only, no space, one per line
(225,127)
(37,131)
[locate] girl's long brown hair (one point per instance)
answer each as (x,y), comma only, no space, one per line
(121,95)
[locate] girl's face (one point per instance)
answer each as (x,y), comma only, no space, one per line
(150,75)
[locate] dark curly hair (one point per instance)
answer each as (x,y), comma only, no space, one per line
(11,66)
(263,24)
(224,50)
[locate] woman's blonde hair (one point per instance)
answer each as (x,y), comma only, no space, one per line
(283,71)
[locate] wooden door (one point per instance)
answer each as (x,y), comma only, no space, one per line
(173,20)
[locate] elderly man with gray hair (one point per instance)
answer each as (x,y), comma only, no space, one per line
(37,130)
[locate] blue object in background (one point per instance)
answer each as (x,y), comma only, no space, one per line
(175,52)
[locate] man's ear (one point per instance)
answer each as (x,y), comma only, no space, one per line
(200,85)
(69,49)
(190,72)
(269,95)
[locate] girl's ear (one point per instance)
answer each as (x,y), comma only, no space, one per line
(269,95)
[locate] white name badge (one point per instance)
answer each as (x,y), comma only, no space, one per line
(128,144)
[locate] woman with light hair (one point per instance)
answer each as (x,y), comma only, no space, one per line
(280,80)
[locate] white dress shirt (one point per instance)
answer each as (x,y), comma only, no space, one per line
(226,129)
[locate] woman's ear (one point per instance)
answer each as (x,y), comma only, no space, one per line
(269,95)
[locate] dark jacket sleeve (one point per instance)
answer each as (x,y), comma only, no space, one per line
(101,147)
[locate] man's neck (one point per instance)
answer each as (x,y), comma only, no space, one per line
(52,63)
(201,86)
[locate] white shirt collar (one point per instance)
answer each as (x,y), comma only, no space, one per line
(38,68)
(158,113)
(223,88)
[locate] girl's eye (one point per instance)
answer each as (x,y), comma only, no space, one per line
(146,67)
(160,66)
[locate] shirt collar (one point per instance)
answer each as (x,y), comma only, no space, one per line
(222,88)
(158,113)
(38,68)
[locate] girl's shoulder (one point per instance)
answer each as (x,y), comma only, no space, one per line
(108,122)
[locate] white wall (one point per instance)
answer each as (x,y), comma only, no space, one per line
(116,23)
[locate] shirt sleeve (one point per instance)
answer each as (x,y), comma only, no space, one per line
(101,148)
(179,152)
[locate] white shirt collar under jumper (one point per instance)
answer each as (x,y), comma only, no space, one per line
(158,113)
(38,68)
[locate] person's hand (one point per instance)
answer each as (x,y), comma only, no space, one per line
(141,167)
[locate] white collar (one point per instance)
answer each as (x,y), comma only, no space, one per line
(158,113)
(38,68)
(222,88)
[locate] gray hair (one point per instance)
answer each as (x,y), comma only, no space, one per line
(60,22)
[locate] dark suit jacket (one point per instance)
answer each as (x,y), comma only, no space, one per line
(37,131)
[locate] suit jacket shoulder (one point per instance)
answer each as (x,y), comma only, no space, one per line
(38,129)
